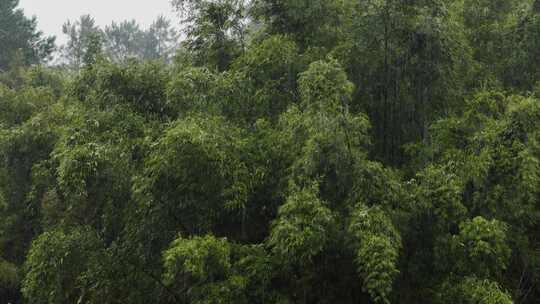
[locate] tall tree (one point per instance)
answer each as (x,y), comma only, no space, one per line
(520,67)
(160,40)
(81,34)
(410,66)
(312,23)
(19,35)
(215,29)
(123,40)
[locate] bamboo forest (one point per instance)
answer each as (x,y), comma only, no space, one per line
(273,152)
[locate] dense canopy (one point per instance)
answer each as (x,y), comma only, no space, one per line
(324,151)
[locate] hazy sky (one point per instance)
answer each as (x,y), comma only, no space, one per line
(52,14)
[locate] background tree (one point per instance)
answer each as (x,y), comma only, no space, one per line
(161,40)
(79,34)
(127,39)
(19,36)
(123,40)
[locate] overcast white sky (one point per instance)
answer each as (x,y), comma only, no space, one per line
(52,14)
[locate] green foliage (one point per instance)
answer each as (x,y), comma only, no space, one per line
(404,56)
(326,141)
(481,247)
(521,69)
(9,277)
(193,180)
(311,23)
(373,151)
(193,89)
(271,68)
(473,290)
(82,37)
(84,174)
(202,259)
(439,198)
(19,36)
(9,281)
(303,228)
(16,107)
(21,148)
(489,147)
(204,263)
(141,86)
(377,250)
(324,87)
(215,30)
(56,264)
